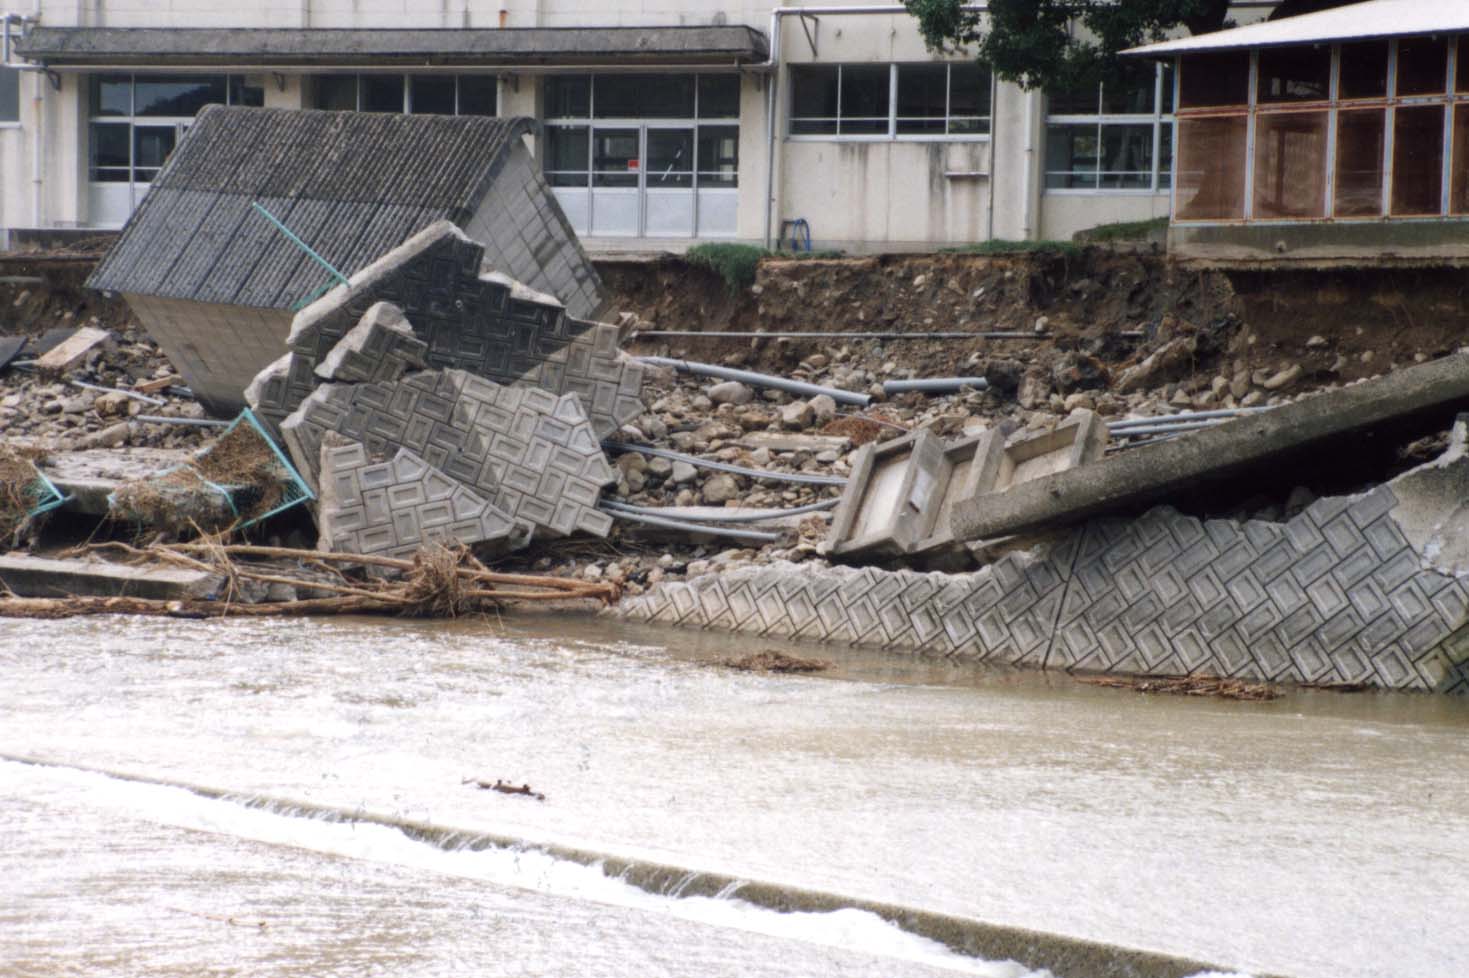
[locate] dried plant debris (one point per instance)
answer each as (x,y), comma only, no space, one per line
(505,788)
(770,660)
(19,482)
(1228,689)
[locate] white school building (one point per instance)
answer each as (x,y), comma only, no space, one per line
(660,122)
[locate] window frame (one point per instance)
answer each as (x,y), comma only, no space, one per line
(407,78)
(591,122)
(892,135)
(1335,104)
(132,120)
(1164,126)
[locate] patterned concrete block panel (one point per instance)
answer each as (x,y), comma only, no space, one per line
(1367,589)
(381,347)
(481,322)
(280,388)
(530,452)
(396,507)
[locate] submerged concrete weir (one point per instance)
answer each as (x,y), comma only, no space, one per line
(1035,950)
(1368,589)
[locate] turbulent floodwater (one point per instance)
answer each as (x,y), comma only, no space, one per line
(1318,836)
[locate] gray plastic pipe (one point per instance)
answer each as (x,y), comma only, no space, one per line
(612,506)
(708,529)
(759,380)
(936,385)
(704,463)
(1184,417)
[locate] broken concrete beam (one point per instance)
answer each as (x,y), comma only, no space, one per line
(88,477)
(72,352)
(1080,439)
(529,452)
(1416,397)
(782,441)
(394,508)
(891,489)
(39,577)
(971,467)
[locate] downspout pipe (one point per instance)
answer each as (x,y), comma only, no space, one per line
(772,67)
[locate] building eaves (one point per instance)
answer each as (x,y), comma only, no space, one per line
(59,47)
(1359,21)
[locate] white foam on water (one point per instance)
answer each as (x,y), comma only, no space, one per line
(848,929)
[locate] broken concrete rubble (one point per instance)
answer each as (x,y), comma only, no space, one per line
(469,319)
(1361,589)
(1150,472)
(397,507)
(380,347)
(41,577)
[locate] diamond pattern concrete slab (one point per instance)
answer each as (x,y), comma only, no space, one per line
(528,451)
(395,507)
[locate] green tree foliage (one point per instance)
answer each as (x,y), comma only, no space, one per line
(1068,44)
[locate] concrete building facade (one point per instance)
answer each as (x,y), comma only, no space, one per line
(661,122)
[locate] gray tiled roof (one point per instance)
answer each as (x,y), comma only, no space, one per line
(715,44)
(352,185)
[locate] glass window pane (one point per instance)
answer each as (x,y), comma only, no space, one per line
(1132,91)
(566,148)
(110,144)
(1290,165)
(644,96)
(1417,160)
(1298,74)
(431,95)
(152,144)
(1165,153)
(719,96)
(381,93)
(1462,81)
(814,94)
(478,95)
(923,94)
(670,158)
(243,94)
(184,96)
(337,93)
(1423,66)
(568,96)
(1215,79)
(9,95)
(111,95)
(1073,153)
(813,127)
(1359,159)
(1459,198)
(719,154)
(1210,172)
(1364,70)
(969,91)
(615,150)
(1081,100)
(864,96)
(1127,156)
(1168,89)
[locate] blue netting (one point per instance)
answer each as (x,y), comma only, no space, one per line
(47,497)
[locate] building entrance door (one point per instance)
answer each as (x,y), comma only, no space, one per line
(642,181)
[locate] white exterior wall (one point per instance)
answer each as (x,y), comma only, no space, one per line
(856,194)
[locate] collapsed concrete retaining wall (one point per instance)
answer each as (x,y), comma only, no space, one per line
(1361,589)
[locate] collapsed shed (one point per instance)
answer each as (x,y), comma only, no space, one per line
(217,285)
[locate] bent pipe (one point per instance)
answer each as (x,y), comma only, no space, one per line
(759,380)
(1036,950)
(935,385)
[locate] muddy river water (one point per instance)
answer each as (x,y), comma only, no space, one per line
(1316,836)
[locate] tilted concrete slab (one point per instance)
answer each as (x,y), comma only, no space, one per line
(1356,589)
(474,320)
(88,477)
(396,507)
(1151,472)
(1079,440)
(40,577)
(531,453)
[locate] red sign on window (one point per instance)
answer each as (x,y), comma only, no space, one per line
(632,164)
